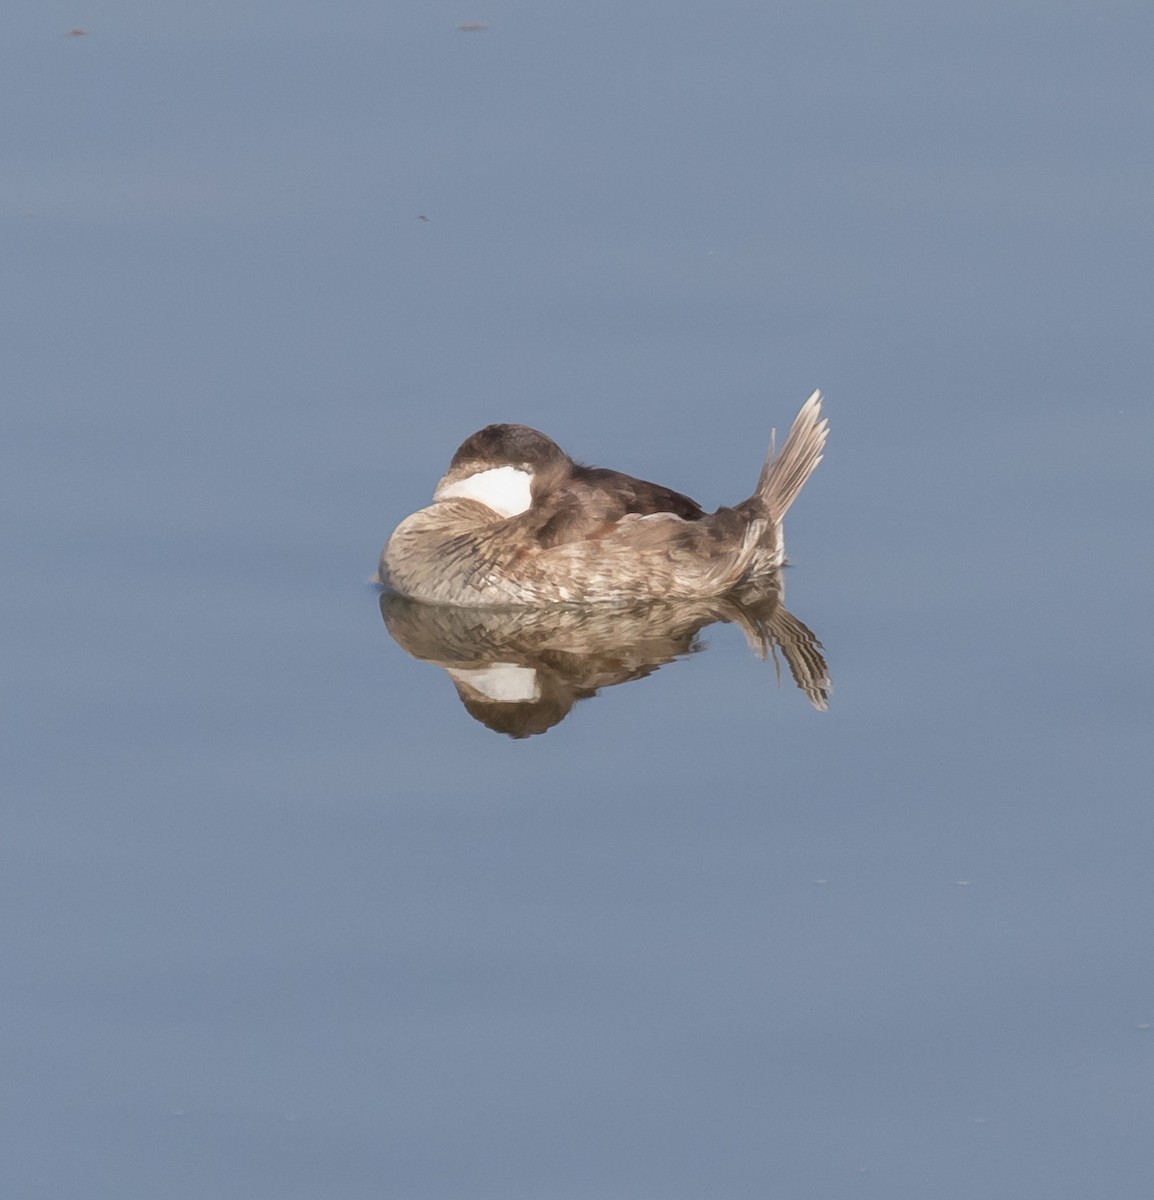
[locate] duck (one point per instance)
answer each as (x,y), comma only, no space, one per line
(516,522)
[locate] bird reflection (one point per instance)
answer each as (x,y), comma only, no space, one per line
(520,671)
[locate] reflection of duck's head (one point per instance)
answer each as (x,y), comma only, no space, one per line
(516,522)
(516,699)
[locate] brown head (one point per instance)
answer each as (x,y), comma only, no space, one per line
(504,467)
(508,446)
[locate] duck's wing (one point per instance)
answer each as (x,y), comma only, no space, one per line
(638,496)
(593,504)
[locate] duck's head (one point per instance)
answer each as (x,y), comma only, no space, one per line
(504,467)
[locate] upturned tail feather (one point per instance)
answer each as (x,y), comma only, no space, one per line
(783,474)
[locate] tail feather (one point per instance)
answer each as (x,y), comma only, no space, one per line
(784,474)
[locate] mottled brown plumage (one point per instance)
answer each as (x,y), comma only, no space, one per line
(516,522)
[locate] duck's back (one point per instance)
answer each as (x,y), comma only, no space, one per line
(594,500)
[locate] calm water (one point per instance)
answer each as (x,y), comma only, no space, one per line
(281,917)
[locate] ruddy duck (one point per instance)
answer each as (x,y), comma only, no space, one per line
(517,523)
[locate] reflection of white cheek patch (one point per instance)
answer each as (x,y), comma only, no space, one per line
(503,489)
(505,682)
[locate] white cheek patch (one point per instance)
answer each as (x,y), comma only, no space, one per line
(504,682)
(503,489)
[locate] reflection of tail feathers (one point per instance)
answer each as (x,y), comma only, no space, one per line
(802,653)
(769,627)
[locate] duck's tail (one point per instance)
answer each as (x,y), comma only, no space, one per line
(784,474)
(781,479)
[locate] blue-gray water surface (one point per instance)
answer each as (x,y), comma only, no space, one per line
(281,917)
